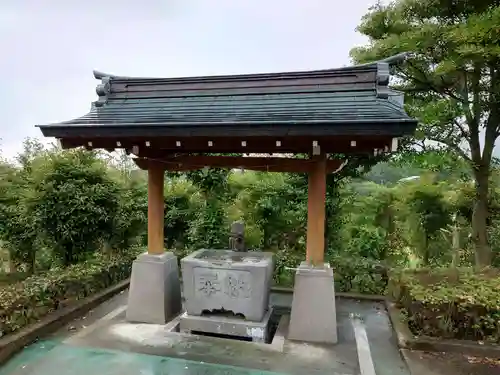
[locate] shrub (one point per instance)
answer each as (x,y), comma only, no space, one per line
(283,260)
(359,275)
(27,301)
(351,274)
(450,303)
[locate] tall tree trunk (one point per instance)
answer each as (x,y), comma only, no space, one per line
(107,249)
(31,265)
(455,242)
(12,265)
(426,257)
(482,250)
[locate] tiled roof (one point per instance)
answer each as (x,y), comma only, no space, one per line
(330,98)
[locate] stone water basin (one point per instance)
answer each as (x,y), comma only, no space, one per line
(227,281)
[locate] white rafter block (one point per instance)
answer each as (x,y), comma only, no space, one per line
(278,143)
(243,143)
(118,144)
(178,143)
(394,145)
(316,148)
(89,144)
(147,143)
(353,143)
(210,143)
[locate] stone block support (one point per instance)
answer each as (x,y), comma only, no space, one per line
(155,291)
(313,317)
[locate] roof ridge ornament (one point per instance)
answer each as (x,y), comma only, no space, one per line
(397,59)
(391,60)
(103,89)
(383,77)
(100,75)
(384,72)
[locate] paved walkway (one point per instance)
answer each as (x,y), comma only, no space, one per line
(104,343)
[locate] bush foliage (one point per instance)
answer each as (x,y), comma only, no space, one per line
(352,275)
(63,213)
(451,303)
(27,301)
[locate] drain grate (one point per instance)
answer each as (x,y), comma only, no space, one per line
(223,336)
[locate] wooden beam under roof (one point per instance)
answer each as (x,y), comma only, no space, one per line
(160,147)
(265,164)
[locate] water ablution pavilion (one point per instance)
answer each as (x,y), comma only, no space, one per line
(181,124)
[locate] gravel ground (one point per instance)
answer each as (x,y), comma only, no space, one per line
(458,364)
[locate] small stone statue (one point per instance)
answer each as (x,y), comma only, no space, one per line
(237,237)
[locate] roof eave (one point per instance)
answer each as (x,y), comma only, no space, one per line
(393,127)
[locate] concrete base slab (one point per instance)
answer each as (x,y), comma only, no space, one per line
(313,317)
(117,346)
(155,291)
(257,331)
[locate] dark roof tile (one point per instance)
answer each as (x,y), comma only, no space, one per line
(358,94)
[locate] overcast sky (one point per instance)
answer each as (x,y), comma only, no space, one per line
(49,48)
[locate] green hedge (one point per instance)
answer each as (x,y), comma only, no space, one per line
(359,275)
(354,275)
(27,301)
(450,303)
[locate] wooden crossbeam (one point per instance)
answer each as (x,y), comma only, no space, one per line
(266,164)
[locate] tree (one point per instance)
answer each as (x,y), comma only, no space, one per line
(130,221)
(32,148)
(17,227)
(209,228)
(432,215)
(451,81)
(182,209)
(74,203)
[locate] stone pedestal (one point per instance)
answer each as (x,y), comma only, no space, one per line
(313,317)
(229,326)
(155,292)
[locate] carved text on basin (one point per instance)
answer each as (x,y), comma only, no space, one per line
(211,283)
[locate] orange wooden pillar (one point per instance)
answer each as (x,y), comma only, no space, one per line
(155,208)
(316,201)
(313,317)
(154,295)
